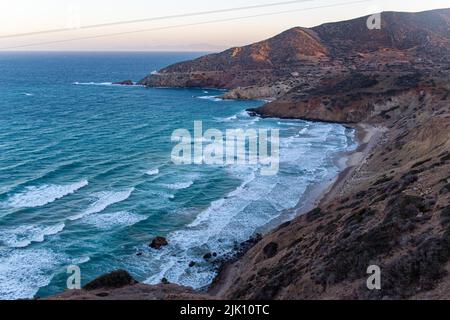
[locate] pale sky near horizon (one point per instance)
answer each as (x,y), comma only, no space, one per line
(223,30)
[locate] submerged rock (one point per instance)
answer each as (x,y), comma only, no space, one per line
(207,256)
(158,242)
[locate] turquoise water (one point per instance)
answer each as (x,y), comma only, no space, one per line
(86,176)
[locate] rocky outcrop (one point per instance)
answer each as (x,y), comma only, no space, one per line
(113,280)
(350,98)
(257,92)
(125,83)
(158,242)
(136,291)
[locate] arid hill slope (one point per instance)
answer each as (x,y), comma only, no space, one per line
(391,208)
(302,56)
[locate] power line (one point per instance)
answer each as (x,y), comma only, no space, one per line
(183,25)
(185,15)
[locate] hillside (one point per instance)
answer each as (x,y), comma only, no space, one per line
(302,56)
(390,205)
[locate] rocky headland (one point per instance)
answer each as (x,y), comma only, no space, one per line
(389,207)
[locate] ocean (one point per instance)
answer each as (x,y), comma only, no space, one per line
(86,176)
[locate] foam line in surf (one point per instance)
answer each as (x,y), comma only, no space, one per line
(23,272)
(107,221)
(23,236)
(179,185)
(253,204)
(92,83)
(210,98)
(103,200)
(37,196)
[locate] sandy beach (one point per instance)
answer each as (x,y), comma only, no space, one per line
(367,137)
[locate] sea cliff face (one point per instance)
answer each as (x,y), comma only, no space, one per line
(350,98)
(390,205)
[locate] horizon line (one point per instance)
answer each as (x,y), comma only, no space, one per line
(225,47)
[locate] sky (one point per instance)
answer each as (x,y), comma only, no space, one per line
(192,32)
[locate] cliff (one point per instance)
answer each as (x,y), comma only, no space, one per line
(390,206)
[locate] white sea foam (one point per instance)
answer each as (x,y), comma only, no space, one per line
(23,236)
(243,115)
(210,98)
(93,83)
(256,202)
(23,272)
(114,219)
(107,84)
(81,260)
(303,131)
(103,200)
(153,172)
(283,123)
(179,185)
(227,119)
(28,94)
(232,117)
(36,196)
(166,195)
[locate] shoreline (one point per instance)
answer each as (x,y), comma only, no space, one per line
(366,136)
(349,162)
(314,196)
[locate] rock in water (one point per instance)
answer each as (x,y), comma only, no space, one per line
(115,279)
(158,242)
(125,83)
(207,256)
